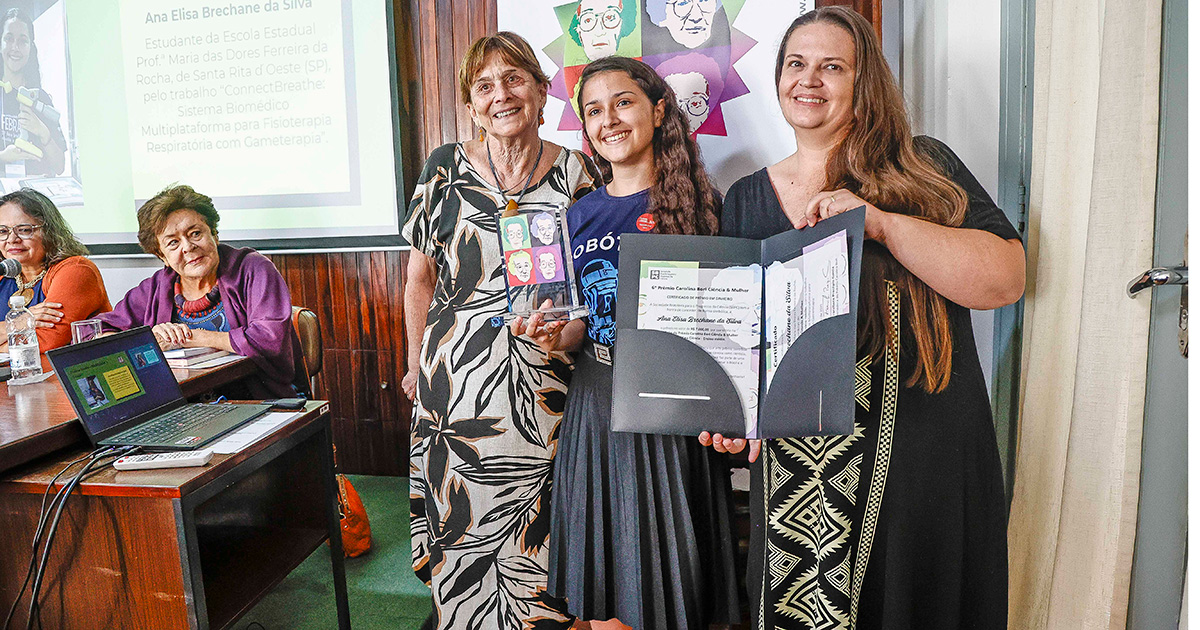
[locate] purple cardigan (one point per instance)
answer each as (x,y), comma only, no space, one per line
(257,304)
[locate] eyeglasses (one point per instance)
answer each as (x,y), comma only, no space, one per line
(683,8)
(611,18)
(23,231)
(696,104)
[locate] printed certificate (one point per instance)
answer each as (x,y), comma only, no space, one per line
(713,306)
(742,337)
(803,291)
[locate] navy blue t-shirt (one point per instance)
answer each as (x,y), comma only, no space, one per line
(596,223)
(8,287)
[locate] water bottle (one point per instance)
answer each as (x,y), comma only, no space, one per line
(23,351)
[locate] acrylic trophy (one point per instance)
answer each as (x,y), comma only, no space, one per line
(537,262)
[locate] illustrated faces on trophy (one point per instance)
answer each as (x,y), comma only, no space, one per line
(533,252)
(548,266)
(543,228)
(690,22)
(599,25)
(520,267)
(515,233)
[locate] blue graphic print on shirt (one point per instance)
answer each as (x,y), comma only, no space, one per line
(596,223)
(598,282)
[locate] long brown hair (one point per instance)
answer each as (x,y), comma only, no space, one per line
(57,238)
(682,198)
(878,161)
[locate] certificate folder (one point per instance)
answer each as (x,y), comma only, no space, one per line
(666,384)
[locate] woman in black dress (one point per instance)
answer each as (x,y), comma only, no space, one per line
(901,524)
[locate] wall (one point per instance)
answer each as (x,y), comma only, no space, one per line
(756,134)
(950,64)
(122,273)
(950,71)
(358,299)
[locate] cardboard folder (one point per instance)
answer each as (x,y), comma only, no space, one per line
(665,384)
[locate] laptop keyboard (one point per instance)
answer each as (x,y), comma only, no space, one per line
(176,424)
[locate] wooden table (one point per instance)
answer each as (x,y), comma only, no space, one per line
(178,548)
(37,419)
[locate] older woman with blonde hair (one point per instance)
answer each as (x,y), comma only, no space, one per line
(487,403)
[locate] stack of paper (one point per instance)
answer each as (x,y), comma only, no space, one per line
(192,357)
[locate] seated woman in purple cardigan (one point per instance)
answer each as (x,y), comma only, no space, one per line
(209,295)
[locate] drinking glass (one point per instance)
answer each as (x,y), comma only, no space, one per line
(85,330)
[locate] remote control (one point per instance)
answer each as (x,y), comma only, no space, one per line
(286,403)
(181,459)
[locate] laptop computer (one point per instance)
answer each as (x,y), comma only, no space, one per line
(125,394)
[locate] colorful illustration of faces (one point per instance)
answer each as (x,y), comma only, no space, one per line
(691,43)
(533,260)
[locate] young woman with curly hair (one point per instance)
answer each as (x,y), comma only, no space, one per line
(640,524)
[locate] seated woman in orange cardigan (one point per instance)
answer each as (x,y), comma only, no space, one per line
(56,279)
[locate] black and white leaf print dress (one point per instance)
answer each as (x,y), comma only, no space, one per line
(487,411)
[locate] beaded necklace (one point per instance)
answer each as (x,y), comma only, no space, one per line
(197,306)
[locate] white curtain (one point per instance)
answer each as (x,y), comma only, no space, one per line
(1091,230)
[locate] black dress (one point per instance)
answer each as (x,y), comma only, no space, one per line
(901,525)
(640,524)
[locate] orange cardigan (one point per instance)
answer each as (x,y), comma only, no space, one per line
(76,284)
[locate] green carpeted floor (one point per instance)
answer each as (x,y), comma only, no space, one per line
(383,591)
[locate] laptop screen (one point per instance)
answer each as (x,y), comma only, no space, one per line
(114,379)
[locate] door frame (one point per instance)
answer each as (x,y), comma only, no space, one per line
(1160,545)
(1015,164)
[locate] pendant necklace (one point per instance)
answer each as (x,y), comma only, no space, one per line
(25,289)
(510,208)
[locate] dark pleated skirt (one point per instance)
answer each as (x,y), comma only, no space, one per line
(640,525)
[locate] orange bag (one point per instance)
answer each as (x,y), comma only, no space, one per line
(356,529)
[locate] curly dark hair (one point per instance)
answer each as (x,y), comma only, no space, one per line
(33,70)
(682,199)
(57,237)
(153,214)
